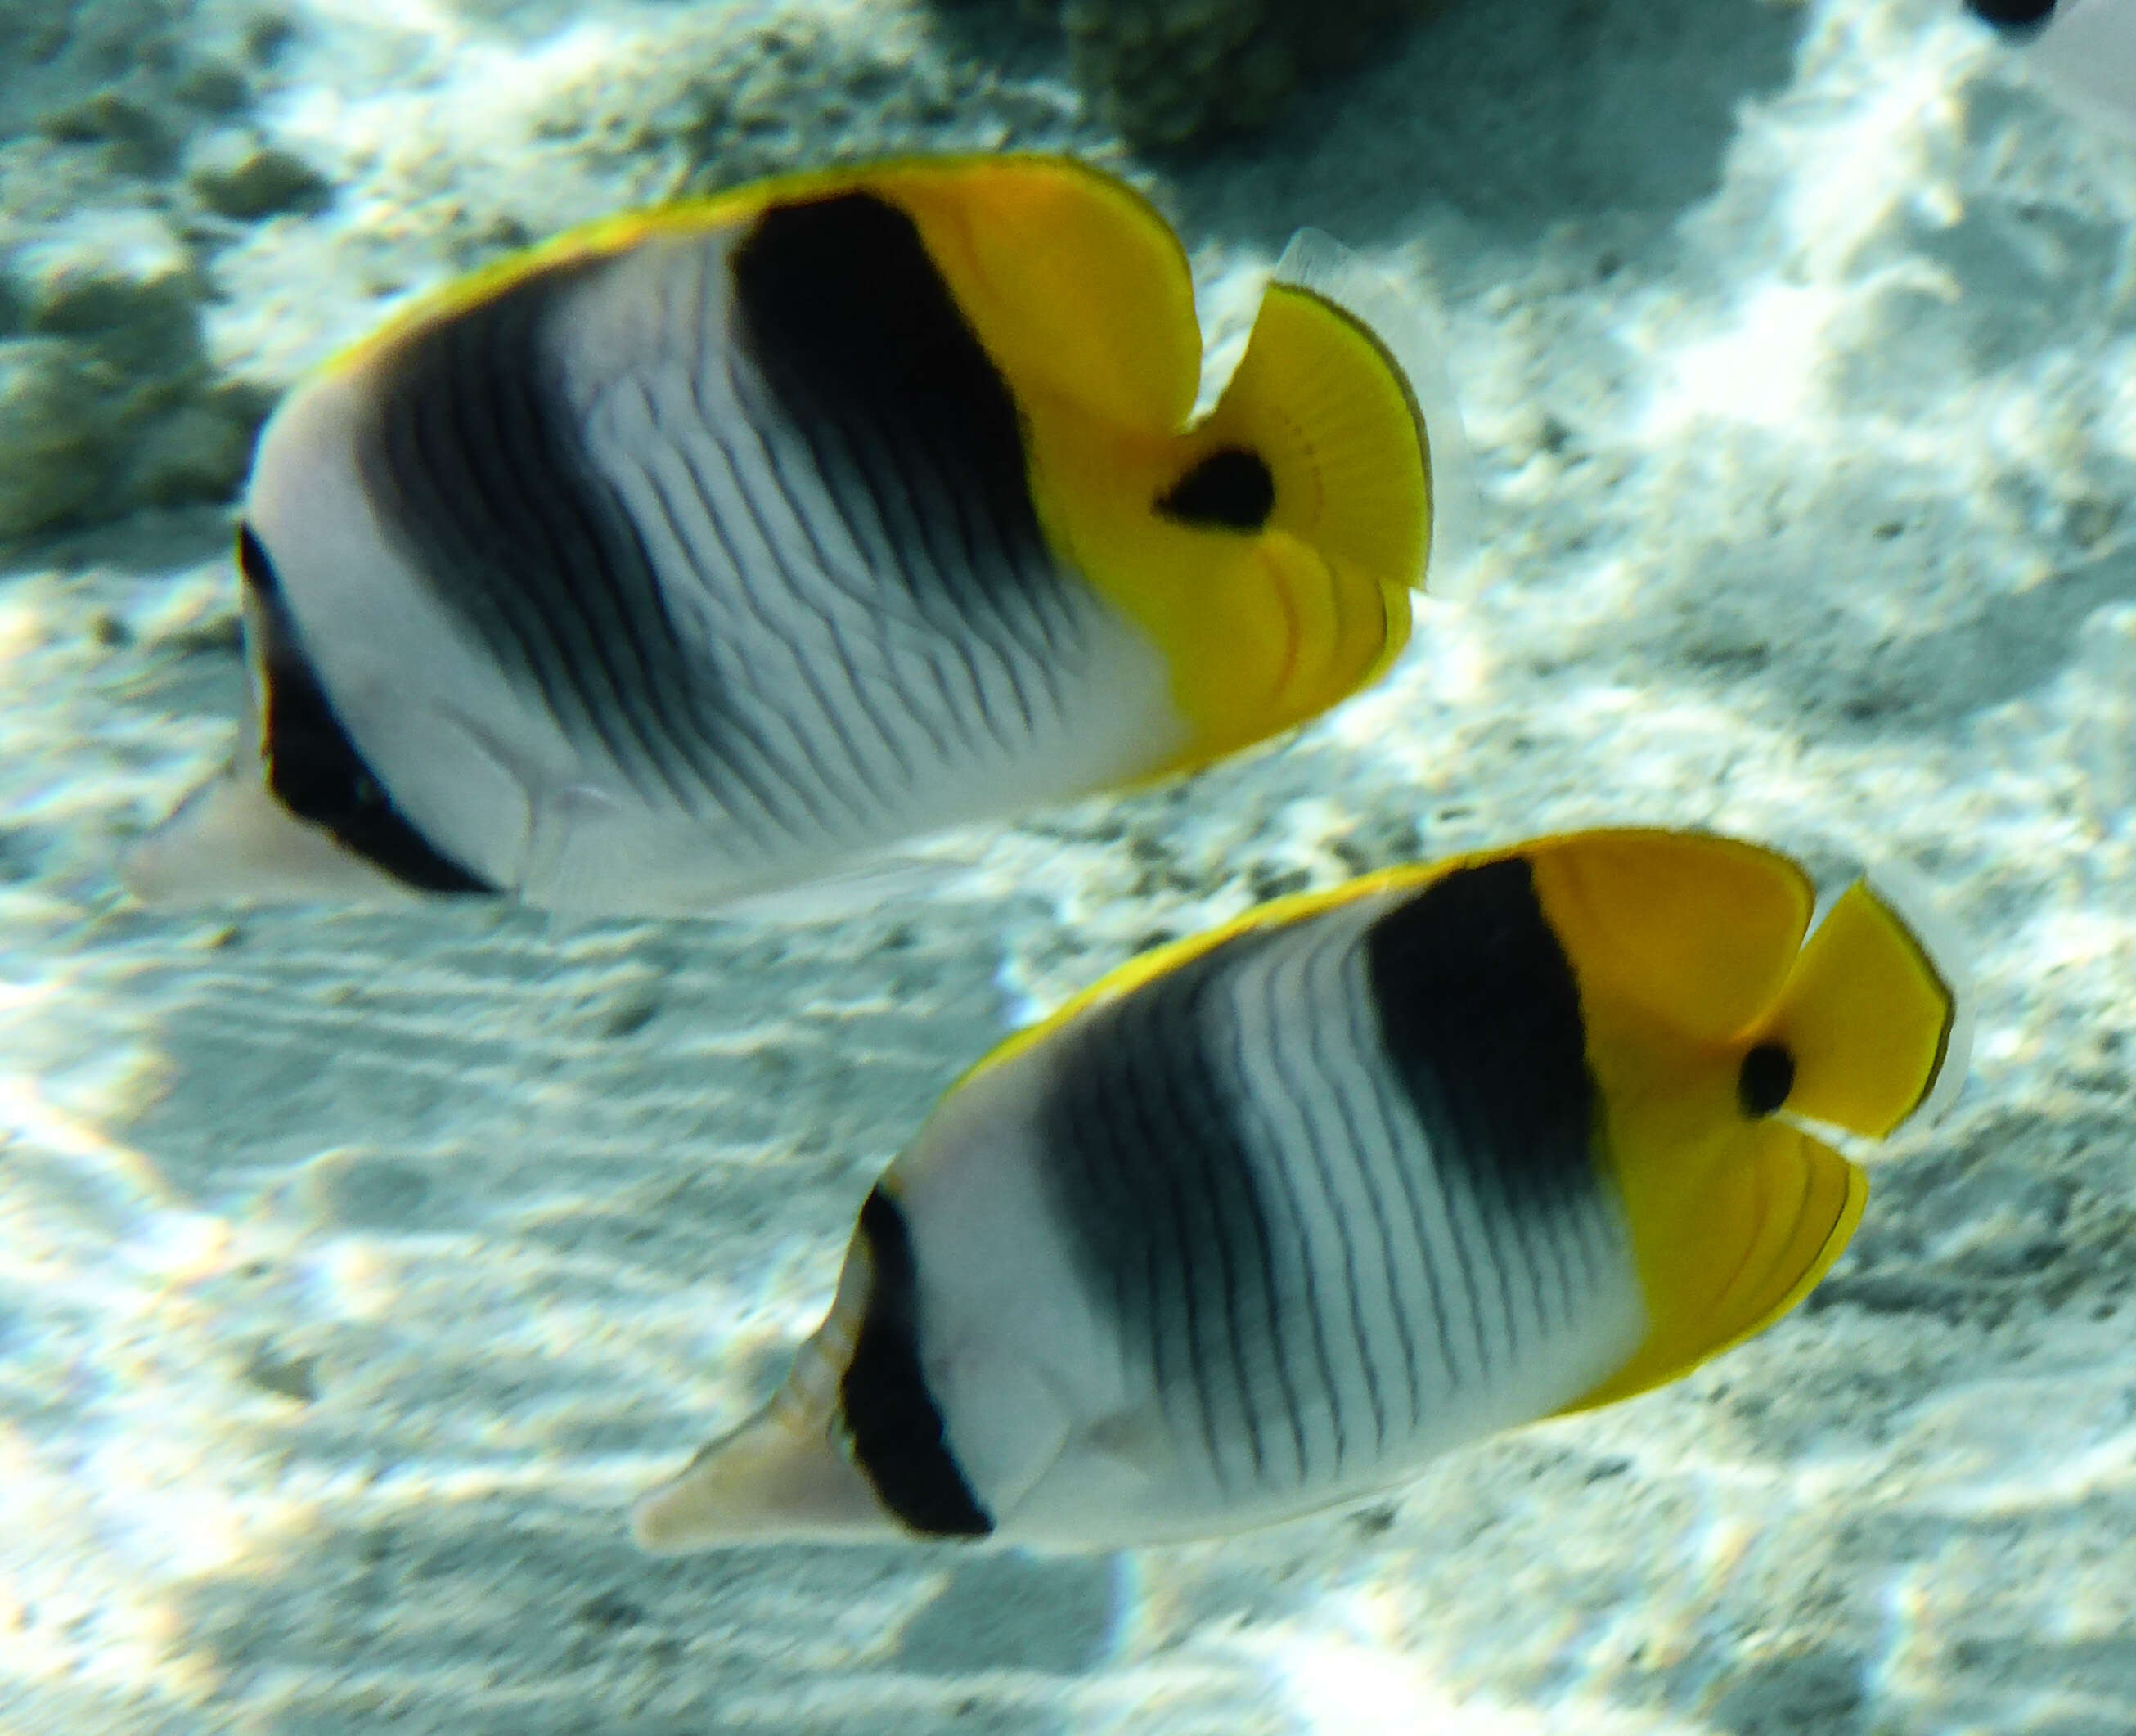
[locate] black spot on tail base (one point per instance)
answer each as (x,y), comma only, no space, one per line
(896,1430)
(1229,490)
(2013,17)
(312,767)
(1768,1075)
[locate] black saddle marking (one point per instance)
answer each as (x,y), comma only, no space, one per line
(1480,1010)
(853,327)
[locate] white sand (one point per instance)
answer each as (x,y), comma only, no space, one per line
(355,1271)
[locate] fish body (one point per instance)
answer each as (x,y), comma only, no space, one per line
(722,549)
(1271,1216)
(2084,52)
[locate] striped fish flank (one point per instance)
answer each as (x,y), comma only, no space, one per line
(731,548)
(1335,1232)
(776,611)
(1272,1215)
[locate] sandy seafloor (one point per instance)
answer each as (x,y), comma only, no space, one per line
(357,1269)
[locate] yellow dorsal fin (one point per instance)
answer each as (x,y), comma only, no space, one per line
(1072,283)
(1638,912)
(1162,960)
(1866,1017)
(600,238)
(1076,287)
(1720,1263)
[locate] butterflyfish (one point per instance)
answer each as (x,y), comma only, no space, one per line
(2084,52)
(1274,1215)
(720,548)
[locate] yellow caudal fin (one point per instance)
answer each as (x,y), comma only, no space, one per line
(1072,282)
(1340,438)
(1736,1208)
(1778,1209)
(1272,551)
(1867,1018)
(1408,328)
(1268,551)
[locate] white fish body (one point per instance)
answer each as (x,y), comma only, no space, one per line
(715,551)
(1272,1216)
(1141,1313)
(1075,1443)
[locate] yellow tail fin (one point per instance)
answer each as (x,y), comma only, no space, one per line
(1267,550)
(1294,522)
(1868,1016)
(1329,413)
(1735,1211)
(1411,331)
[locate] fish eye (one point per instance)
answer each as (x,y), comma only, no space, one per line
(2014,16)
(1768,1075)
(1232,489)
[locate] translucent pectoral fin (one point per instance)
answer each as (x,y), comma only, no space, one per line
(231,842)
(1868,1016)
(857,892)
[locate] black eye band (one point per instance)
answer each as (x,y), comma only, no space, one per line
(312,767)
(896,1430)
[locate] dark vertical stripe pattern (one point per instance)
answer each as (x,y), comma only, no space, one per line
(479,465)
(896,1429)
(312,767)
(780,551)
(1331,1176)
(1479,1013)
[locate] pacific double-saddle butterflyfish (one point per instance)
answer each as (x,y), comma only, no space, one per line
(719,549)
(1272,1215)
